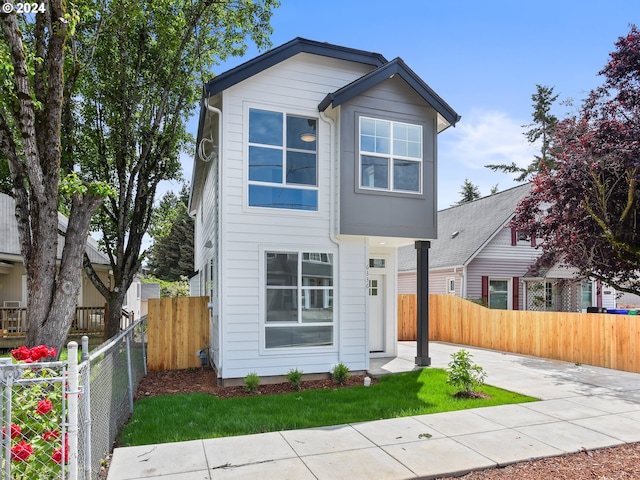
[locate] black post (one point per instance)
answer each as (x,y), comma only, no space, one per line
(422,358)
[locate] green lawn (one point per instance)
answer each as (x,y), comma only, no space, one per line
(174,418)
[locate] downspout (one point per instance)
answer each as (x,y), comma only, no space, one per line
(463,292)
(333,205)
(218,112)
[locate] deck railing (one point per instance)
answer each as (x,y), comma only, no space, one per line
(87,321)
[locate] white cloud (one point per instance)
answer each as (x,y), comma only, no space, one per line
(481,138)
(484,138)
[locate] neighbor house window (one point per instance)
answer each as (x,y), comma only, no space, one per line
(299,299)
(451,286)
(499,293)
(283,165)
(586,297)
(390,155)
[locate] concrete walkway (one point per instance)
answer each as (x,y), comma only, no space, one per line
(583,407)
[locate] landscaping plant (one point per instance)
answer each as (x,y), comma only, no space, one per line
(251,382)
(464,375)
(340,373)
(295,377)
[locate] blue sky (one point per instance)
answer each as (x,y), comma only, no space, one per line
(484,58)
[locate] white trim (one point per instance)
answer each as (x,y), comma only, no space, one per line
(299,250)
(390,157)
(451,291)
(509,281)
(285,111)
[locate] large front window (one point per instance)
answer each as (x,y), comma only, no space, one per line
(390,155)
(283,169)
(299,299)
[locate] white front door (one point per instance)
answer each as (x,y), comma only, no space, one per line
(376,313)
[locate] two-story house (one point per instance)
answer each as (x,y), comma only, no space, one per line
(315,162)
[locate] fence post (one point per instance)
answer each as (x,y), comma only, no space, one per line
(6,439)
(72,395)
(144,326)
(86,386)
(129,373)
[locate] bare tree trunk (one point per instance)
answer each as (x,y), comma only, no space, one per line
(54,328)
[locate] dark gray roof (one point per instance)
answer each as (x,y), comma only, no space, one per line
(149,290)
(394,67)
(281,53)
(464,230)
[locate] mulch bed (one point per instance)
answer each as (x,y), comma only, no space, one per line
(204,380)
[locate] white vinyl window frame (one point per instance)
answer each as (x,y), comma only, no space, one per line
(509,291)
(282,150)
(451,285)
(311,256)
(391,154)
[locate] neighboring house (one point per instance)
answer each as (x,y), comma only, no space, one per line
(477,256)
(315,162)
(13,280)
(149,290)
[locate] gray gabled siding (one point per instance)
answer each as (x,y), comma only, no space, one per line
(376,213)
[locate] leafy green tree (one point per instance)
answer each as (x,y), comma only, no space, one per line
(468,192)
(101,91)
(586,212)
(130,117)
(541,129)
(39,69)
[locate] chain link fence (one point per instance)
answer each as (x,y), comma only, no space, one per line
(62,418)
(34,414)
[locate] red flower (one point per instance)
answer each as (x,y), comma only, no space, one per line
(40,352)
(34,354)
(57,453)
(44,406)
(21,451)
(21,353)
(50,435)
(15,430)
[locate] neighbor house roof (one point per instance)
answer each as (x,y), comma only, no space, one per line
(10,241)
(463,230)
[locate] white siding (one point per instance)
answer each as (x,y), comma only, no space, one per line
(296,86)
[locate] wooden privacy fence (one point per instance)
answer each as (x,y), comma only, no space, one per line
(604,340)
(177,329)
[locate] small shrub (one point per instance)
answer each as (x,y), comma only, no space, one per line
(340,373)
(295,377)
(463,374)
(251,382)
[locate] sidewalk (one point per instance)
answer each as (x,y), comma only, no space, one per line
(583,407)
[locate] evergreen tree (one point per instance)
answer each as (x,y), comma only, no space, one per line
(468,192)
(172,230)
(541,129)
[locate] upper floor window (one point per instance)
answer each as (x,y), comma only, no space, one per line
(283,165)
(390,155)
